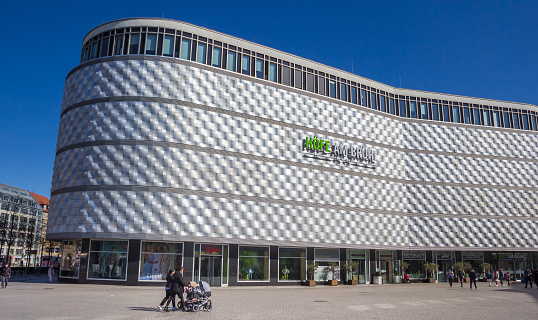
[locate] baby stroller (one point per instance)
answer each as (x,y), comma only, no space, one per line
(198,297)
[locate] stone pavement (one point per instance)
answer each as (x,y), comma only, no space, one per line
(37,300)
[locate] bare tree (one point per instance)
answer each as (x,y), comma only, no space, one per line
(30,242)
(4,223)
(12,234)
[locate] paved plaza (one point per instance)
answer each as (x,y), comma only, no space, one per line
(38,300)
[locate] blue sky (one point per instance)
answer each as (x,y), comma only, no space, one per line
(484,49)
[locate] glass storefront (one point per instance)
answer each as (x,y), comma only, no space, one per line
(362,258)
(324,258)
(388,266)
(475,258)
(292,264)
(157,258)
(515,262)
(211,264)
(416,261)
(253,263)
(108,260)
(70,263)
(445,260)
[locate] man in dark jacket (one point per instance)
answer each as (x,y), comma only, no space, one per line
(528,277)
(472,277)
(535,276)
(168,290)
(461,275)
(178,285)
(6,274)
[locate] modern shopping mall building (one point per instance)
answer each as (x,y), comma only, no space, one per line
(180,145)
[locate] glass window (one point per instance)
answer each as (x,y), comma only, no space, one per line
(515,116)
(86,54)
(403,110)
(201,52)
(363,98)
(326,257)
(486,117)
(322,85)
(107,260)
(446,113)
(104,47)
(373,100)
(156,258)
(332,88)
(496,119)
(506,119)
(133,45)
(310,82)
(70,265)
(382,103)
(424,110)
(391,106)
(298,79)
(259,68)
(456,114)
(185,49)
(168,47)
(413,109)
(95,47)
(151,43)
(286,76)
(476,115)
(343,92)
(435,112)
(230,63)
(272,72)
(216,58)
(525,120)
(245,64)
(354,95)
(253,263)
(292,264)
(534,123)
(466,115)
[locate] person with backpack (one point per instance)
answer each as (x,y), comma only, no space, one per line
(489,276)
(472,277)
(450,276)
(528,277)
(169,296)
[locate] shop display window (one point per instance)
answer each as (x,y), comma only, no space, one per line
(324,258)
(108,260)
(291,264)
(70,264)
(253,263)
(157,258)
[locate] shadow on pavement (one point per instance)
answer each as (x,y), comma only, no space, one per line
(520,288)
(144,309)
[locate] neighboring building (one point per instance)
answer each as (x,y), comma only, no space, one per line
(46,248)
(180,145)
(20,221)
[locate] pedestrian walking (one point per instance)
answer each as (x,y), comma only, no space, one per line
(460,276)
(535,276)
(489,276)
(472,276)
(507,277)
(407,278)
(51,274)
(528,277)
(450,276)
(168,290)
(6,274)
(501,276)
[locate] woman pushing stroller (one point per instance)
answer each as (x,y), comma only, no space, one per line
(174,286)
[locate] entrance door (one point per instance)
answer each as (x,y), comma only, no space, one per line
(386,270)
(444,265)
(210,270)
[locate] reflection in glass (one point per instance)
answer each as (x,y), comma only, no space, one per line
(373,100)
(413,109)
(157,258)
(133,45)
(354,95)
(525,120)
(515,116)
(466,115)
(298,79)
(363,98)
(486,118)
(185,49)
(104,47)
(423,110)
(476,114)
(496,119)
(506,120)
(382,103)
(343,91)
(446,113)
(435,112)
(217,56)
(201,52)
(151,43)
(107,260)
(332,89)
(272,72)
(286,76)
(259,68)
(391,106)
(245,65)
(456,114)
(230,63)
(168,46)
(253,263)
(403,109)
(310,82)
(70,264)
